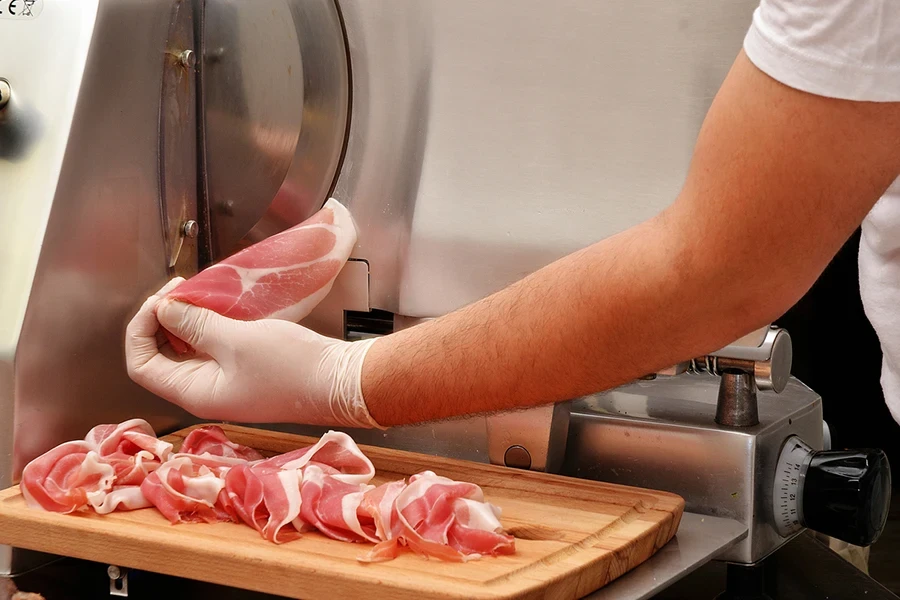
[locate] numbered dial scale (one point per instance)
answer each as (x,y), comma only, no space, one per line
(842,493)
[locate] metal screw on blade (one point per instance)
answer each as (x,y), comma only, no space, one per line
(188,59)
(190,229)
(113,572)
(5,93)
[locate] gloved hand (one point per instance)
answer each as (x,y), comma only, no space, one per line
(266,371)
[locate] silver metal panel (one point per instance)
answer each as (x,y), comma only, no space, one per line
(34,126)
(534,438)
(82,233)
(662,435)
(103,248)
(488,139)
(277,101)
(699,539)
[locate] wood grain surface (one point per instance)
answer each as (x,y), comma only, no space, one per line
(573,537)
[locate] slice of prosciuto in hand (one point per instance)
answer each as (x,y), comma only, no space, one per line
(282,277)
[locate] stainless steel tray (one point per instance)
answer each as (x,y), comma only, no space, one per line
(699,539)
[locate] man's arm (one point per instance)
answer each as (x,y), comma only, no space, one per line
(778,181)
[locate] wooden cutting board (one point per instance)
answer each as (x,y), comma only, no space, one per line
(573,537)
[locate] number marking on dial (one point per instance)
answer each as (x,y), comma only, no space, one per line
(786,500)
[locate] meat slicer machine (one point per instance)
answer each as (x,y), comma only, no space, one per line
(474,142)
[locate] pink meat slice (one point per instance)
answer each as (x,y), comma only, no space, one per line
(382,552)
(132,448)
(188,491)
(380,505)
(61,479)
(335,453)
(450,520)
(132,469)
(267,499)
(211,439)
(128,437)
(113,459)
(282,277)
(332,506)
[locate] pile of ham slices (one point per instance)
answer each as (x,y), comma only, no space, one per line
(324,487)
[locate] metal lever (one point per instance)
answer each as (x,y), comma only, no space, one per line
(744,370)
(770,362)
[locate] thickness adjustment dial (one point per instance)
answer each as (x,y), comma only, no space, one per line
(842,493)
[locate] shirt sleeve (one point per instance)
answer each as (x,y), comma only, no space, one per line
(847,49)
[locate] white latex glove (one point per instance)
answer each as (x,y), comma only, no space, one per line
(266,371)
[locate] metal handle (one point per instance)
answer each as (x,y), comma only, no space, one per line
(744,370)
(770,362)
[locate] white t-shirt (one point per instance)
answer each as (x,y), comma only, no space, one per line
(847,49)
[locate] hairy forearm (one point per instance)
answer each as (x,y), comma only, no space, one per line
(588,322)
(778,181)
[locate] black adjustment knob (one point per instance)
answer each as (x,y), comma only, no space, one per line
(847,494)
